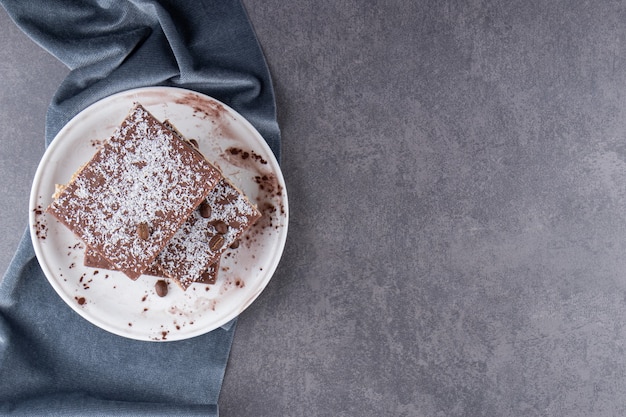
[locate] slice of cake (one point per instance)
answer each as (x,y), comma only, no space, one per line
(129,200)
(218,223)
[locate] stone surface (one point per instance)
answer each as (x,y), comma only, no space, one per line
(458,211)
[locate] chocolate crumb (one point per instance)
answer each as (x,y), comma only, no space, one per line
(41,228)
(81,300)
(244,155)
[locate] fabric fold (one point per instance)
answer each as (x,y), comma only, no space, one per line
(52,361)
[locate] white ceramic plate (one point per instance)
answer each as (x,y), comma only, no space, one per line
(132,309)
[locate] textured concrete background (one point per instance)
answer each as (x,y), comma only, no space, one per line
(457,187)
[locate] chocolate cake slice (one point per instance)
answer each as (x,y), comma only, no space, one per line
(218,223)
(129,200)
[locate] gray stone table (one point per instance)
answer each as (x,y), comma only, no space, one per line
(457,182)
